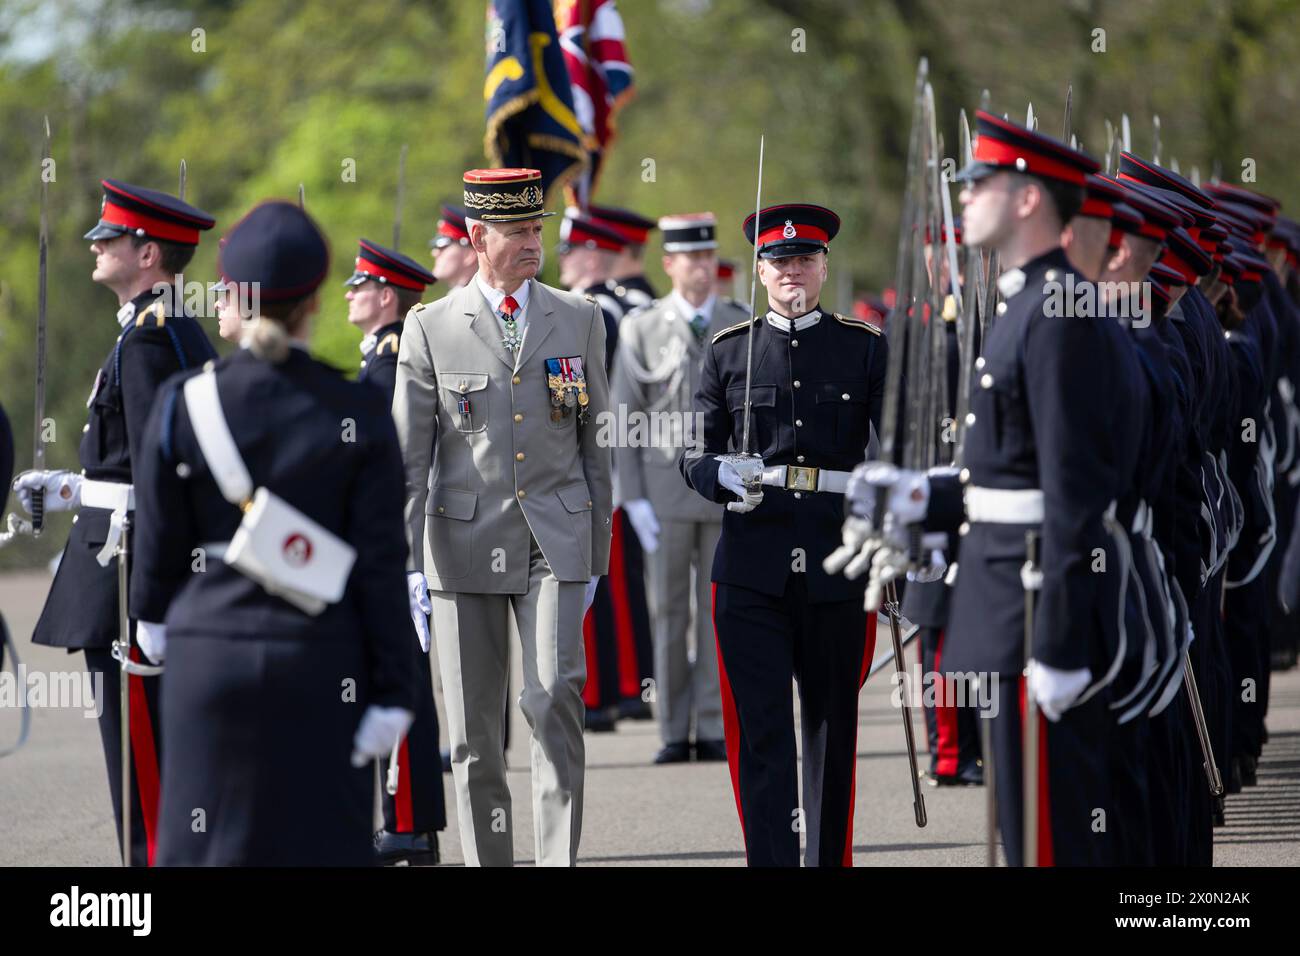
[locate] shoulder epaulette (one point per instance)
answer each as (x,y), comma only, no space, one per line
(155,315)
(719,336)
(390,341)
(856,323)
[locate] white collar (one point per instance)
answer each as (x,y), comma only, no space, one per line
(495,296)
(1011,282)
(368,342)
(799,322)
(126,314)
(688,311)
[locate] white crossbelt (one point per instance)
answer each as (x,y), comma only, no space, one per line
(1004,506)
(806,478)
(113,496)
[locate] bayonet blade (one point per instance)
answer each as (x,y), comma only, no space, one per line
(1155,149)
(1126,133)
(401,192)
(302,196)
(1069,101)
(181,193)
(42,304)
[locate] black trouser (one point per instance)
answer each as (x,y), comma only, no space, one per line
(1075,808)
(1131,792)
(419,805)
(953,731)
(763,642)
(146,746)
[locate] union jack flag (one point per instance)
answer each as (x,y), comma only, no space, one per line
(595,54)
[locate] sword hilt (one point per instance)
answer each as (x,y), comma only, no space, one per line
(38,512)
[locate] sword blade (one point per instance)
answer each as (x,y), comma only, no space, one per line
(753,292)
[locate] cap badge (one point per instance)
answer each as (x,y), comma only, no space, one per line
(788,232)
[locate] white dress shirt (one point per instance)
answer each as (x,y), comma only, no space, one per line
(495,297)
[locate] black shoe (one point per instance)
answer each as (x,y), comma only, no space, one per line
(634,708)
(1232,784)
(1248,765)
(710,751)
(674,753)
(599,721)
(415,849)
(972,779)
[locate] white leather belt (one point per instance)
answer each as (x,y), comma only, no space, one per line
(115,496)
(806,478)
(1004,506)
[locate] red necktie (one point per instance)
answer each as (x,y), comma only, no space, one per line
(509,306)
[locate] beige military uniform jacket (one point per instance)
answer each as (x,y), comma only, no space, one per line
(486,462)
(656,374)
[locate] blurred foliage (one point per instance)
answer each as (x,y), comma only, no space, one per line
(287,92)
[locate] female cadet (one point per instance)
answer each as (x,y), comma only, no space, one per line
(274,705)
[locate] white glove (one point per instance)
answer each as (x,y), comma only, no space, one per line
(418,592)
(908,491)
(152,639)
(729,478)
(381,729)
(642,515)
(62,489)
(1055,690)
(591,593)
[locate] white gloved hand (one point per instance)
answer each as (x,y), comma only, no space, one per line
(591,593)
(152,639)
(908,492)
(1055,690)
(889,562)
(380,730)
(729,478)
(417,589)
(62,489)
(642,515)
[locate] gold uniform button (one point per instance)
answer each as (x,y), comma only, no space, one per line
(979,362)
(515,380)
(519,416)
(521,493)
(970,418)
(796,383)
(986,380)
(441,510)
(519,456)
(1002,307)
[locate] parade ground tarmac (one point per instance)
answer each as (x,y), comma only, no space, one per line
(55,810)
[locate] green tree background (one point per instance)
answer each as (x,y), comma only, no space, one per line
(272,93)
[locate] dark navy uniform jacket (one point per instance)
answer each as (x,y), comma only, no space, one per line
(1048,405)
(815,396)
(81,610)
(329,448)
(379,365)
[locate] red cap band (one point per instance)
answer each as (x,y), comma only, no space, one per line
(801,231)
(156,228)
(999,153)
(394,278)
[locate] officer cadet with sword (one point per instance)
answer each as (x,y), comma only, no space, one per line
(143,239)
(788,399)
